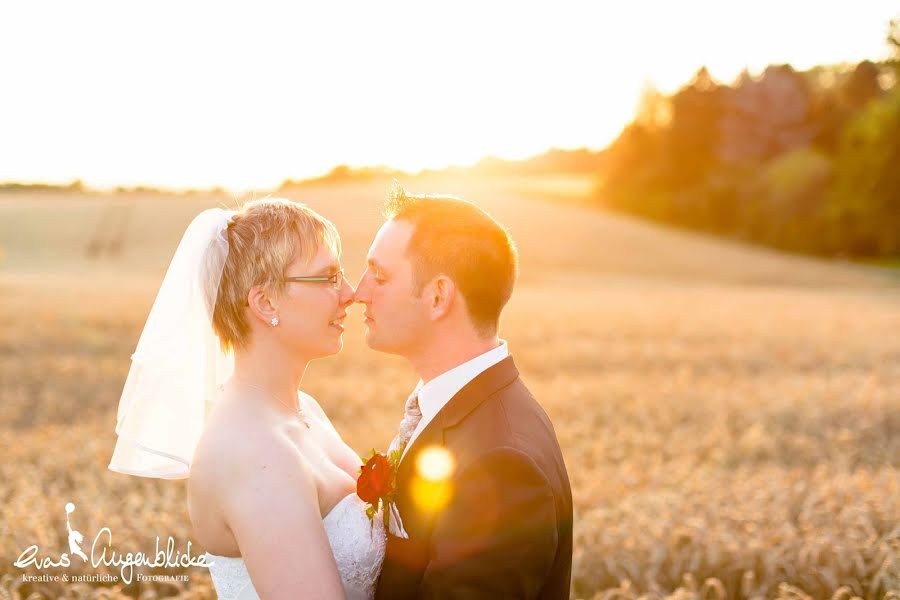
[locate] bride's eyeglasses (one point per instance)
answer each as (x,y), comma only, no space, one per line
(336,280)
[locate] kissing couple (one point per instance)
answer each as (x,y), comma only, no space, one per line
(473,498)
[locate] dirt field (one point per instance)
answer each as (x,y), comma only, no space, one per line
(730,416)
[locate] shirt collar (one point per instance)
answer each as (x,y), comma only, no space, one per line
(437,392)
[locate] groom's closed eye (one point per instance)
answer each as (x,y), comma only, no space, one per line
(377,272)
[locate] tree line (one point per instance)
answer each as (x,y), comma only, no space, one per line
(806,161)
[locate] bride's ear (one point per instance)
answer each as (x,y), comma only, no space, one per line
(261,305)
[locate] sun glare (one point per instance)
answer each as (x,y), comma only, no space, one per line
(435,464)
(268,95)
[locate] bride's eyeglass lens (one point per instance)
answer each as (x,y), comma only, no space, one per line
(336,280)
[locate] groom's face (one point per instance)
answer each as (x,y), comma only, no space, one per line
(394,316)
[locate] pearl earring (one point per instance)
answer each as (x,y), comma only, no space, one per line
(274,321)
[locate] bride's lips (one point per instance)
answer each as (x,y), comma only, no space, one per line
(368,319)
(338,323)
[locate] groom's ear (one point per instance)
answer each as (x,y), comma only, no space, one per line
(261,306)
(441,292)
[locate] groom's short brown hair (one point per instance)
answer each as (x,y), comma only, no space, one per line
(452,236)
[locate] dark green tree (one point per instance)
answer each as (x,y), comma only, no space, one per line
(863,209)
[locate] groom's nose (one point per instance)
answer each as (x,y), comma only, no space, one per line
(362,290)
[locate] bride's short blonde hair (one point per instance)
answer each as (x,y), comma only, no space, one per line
(264,237)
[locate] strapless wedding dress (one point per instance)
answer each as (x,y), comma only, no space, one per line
(358,549)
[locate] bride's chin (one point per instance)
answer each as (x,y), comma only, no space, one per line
(334,347)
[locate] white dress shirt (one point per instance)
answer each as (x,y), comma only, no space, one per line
(435,394)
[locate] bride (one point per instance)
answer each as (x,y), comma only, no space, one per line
(250,298)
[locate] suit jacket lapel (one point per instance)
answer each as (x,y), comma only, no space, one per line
(461,404)
(432,435)
(457,408)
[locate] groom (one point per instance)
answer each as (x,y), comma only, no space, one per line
(492,517)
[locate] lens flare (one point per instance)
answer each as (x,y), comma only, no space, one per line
(431,496)
(431,488)
(435,464)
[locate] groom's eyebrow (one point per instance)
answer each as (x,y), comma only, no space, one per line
(374,263)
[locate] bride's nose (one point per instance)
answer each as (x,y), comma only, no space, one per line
(346,293)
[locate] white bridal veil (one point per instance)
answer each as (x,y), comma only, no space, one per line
(178,366)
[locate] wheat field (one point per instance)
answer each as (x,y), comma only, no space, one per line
(730,416)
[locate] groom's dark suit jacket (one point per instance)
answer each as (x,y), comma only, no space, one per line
(501,525)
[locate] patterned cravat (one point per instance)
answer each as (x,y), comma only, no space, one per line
(411,419)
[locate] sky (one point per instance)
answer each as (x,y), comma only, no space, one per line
(244,95)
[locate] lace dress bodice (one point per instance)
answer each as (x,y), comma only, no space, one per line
(358,549)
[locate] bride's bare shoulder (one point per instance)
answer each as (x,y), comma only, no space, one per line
(314,409)
(236,441)
(241,470)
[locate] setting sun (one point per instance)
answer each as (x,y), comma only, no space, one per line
(206,94)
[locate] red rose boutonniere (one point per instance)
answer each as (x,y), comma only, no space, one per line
(377,482)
